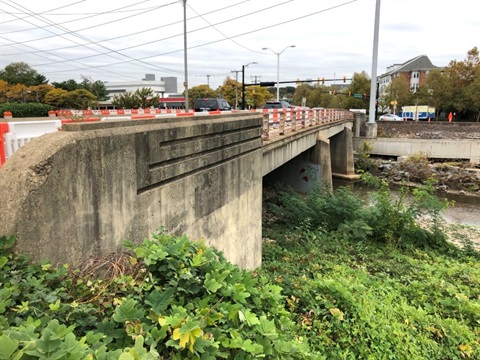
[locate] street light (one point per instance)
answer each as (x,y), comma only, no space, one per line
(243,83)
(278,66)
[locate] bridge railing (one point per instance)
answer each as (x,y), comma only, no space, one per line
(14,135)
(279,121)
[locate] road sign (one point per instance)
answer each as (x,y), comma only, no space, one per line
(359,96)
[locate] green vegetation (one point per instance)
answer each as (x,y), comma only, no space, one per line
(168,298)
(343,277)
(25,110)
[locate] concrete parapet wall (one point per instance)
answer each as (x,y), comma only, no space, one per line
(432,148)
(83,191)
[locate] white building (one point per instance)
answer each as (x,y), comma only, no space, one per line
(162,87)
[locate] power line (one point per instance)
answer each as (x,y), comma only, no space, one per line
(200,45)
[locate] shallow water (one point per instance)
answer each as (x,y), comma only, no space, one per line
(465,210)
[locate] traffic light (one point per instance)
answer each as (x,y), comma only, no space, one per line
(323,80)
(344,78)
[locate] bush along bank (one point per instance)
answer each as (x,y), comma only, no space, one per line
(365,281)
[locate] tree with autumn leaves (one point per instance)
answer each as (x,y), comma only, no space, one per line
(20,83)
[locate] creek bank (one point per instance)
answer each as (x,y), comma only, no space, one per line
(458,178)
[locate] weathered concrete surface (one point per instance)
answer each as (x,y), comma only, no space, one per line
(432,139)
(304,159)
(431,148)
(83,191)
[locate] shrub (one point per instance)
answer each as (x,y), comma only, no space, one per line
(20,110)
(172,298)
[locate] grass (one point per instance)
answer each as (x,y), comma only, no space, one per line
(359,298)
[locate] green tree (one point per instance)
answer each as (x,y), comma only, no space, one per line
(304,91)
(22,73)
(455,88)
(97,88)
(200,91)
(78,99)
(256,96)
(229,90)
(68,85)
(146,98)
(56,97)
(398,90)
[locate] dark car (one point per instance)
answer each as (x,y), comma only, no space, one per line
(211,104)
(276,105)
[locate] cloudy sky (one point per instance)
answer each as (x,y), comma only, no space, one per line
(123,40)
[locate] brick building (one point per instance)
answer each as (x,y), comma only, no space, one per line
(415,71)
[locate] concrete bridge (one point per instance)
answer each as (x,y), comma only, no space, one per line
(84,190)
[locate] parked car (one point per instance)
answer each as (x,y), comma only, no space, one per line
(211,104)
(390,117)
(276,105)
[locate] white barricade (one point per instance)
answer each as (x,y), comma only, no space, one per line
(22,132)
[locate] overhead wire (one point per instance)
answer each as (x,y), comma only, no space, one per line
(203,44)
(138,32)
(75,34)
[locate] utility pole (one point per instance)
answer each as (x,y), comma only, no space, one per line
(255,78)
(243,82)
(236,87)
(208,80)
(185,83)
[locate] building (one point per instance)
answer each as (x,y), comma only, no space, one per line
(415,71)
(163,87)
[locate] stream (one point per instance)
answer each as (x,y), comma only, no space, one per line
(465,210)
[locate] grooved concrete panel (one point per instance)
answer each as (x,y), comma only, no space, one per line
(433,148)
(83,191)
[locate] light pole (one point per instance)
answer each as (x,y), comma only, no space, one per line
(373,81)
(185,52)
(208,80)
(236,87)
(243,83)
(278,66)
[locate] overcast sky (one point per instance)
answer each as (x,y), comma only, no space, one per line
(123,40)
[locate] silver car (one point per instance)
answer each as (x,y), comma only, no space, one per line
(390,117)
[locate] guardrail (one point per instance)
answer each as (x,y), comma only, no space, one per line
(279,121)
(14,135)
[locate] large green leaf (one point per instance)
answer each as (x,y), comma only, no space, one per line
(7,347)
(160,300)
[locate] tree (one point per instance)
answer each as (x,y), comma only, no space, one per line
(55,97)
(198,92)
(95,87)
(78,99)
(398,91)
(455,88)
(256,96)
(69,85)
(229,90)
(22,73)
(140,98)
